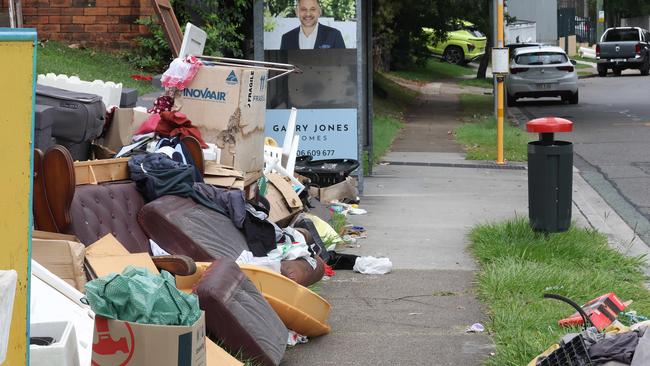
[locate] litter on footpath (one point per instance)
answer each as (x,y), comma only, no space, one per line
(372,265)
(475,328)
(295,338)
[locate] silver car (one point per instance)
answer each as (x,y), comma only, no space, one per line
(542,71)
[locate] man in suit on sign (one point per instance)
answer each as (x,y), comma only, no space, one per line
(311,34)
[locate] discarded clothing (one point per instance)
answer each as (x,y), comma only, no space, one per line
(232,202)
(247,257)
(176,123)
(252,220)
(156,175)
(341,261)
(318,247)
(181,72)
(642,352)
(149,125)
(615,347)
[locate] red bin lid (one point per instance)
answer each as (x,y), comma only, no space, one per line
(549,124)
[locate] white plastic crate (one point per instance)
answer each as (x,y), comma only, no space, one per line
(63,352)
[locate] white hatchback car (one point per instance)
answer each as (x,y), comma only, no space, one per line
(539,72)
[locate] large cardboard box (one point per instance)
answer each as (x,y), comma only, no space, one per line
(228,105)
(64,258)
(125,122)
(123,343)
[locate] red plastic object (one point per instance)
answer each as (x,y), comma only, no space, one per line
(602,311)
(549,125)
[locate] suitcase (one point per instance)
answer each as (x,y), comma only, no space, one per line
(43,120)
(78,118)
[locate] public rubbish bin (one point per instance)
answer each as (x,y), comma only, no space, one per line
(550,176)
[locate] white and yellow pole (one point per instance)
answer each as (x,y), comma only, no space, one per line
(500,86)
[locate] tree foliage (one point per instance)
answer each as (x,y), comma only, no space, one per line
(399,41)
(338,9)
(226,22)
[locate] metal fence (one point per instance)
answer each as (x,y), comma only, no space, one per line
(585,31)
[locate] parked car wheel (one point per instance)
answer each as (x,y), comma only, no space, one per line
(454,55)
(510,100)
(617,71)
(645,69)
(574,98)
(602,71)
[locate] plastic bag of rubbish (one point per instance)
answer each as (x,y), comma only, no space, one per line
(140,296)
(372,265)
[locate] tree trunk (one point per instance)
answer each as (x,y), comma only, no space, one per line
(482,67)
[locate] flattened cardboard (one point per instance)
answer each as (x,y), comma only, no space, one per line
(107,256)
(228,105)
(125,122)
(284,202)
(63,258)
(222,176)
(118,342)
(216,356)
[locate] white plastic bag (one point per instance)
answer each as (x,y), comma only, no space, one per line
(272,263)
(372,265)
(8,291)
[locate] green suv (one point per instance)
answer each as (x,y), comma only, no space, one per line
(464,45)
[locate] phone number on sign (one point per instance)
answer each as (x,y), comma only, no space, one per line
(316,152)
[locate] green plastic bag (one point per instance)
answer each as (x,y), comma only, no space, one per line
(140,296)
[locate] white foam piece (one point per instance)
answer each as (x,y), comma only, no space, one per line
(110,92)
(8,280)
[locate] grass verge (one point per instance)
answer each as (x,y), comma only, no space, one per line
(88,64)
(478,134)
(434,69)
(389,103)
(481,83)
(518,266)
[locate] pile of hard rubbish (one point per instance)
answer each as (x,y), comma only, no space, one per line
(612,335)
(186,231)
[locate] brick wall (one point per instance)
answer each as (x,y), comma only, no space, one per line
(103,23)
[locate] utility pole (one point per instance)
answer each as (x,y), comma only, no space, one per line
(600,19)
(500,85)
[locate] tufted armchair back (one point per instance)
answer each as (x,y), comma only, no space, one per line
(97,210)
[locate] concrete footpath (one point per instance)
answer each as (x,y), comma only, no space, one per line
(422,202)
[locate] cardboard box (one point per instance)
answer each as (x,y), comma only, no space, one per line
(228,105)
(339,191)
(285,202)
(223,176)
(107,255)
(118,342)
(64,258)
(125,122)
(216,356)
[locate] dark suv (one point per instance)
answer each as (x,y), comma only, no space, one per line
(624,48)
